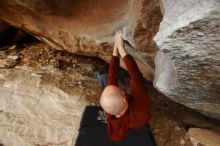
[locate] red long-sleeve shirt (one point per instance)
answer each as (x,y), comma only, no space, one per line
(137,115)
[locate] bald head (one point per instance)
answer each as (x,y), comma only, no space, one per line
(112,99)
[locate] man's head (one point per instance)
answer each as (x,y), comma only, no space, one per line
(113,101)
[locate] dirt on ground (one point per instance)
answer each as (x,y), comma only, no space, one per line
(170,120)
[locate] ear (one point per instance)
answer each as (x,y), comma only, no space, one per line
(126,102)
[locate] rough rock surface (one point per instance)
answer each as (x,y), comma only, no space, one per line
(44,94)
(86,27)
(188,63)
(36,110)
(204,137)
(43,90)
(36,114)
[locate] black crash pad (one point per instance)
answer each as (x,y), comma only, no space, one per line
(93,131)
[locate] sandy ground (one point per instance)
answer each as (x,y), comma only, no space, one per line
(170,121)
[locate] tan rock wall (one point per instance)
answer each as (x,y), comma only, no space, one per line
(87,27)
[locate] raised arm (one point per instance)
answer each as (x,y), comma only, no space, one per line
(113,68)
(132,68)
(131,65)
(137,80)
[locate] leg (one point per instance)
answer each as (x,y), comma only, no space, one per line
(102,79)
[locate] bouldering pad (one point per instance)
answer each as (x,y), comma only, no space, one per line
(93,131)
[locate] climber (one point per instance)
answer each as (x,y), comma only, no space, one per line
(124,113)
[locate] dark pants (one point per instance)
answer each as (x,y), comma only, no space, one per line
(102,79)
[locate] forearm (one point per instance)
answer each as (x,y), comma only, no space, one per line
(130,63)
(113,71)
(115,51)
(113,68)
(132,68)
(122,51)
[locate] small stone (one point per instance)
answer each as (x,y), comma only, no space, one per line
(12,47)
(48,67)
(81,87)
(10,63)
(177,128)
(155,131)
(182,142)
(74,65)
(12,57)
(67,59)
(2,63)
(25,60)
(79,83)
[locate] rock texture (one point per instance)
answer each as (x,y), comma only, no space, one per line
(44,90)
(188,62)
(204,137)
(87,27)
(37,111)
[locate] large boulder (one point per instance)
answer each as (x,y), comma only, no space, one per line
(188,60)
(43,106)
(87,27)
